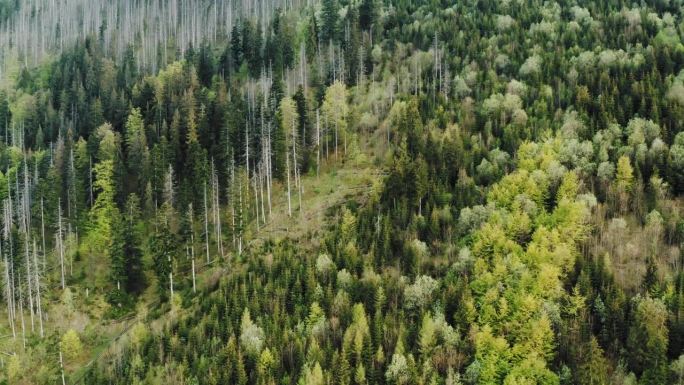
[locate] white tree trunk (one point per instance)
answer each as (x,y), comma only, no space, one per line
(194,286)
(60,245)
(61,366)
(289,202)
(42,230)
(318,142)
(206,223)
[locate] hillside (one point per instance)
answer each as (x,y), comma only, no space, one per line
(341,192)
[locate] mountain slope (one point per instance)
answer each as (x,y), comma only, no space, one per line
(348,193)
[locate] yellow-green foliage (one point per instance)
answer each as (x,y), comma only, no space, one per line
(104,212)
(357,331)
(335,107)
(13,368)
(522,254)
(71,345)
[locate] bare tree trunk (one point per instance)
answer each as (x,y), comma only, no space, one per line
(327,139)
(70,234)
(42,230)
(191,214)
(36,280)
(206,223)
(28,281)
(241,218)
(318,142)
(301,191)
(247,147)
(60,242)
(61,366)
(269,172)
(194,285)
(9,297)
(70,177)
(231,197)
(9,262)
(171,284)
(256,198)
(289,203)
(216,209)
(261,192)
(21,315)
(90,178)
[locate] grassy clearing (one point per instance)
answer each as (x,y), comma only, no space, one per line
(319,194)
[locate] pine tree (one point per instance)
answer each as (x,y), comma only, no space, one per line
(594,370)
(5,117)
(647,341)
(205,64)
(304,132)
(236,46)
(312,38)
(126,249)
(104,215)
(137,152)
(197,165)
(329,21)
(650,281)
(162,247)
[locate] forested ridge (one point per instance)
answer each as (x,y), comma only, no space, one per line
(341,192)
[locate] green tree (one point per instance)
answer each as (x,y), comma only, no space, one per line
(71,345)
(329,21)
(126,249)
(367,14)
(137,152)
(312,376)
(594,370)
(5,116)
(647,341)
(162,248)
(104,214)
(197,165)
(421,182)
(625,174)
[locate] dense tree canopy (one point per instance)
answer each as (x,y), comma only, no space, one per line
(344,193)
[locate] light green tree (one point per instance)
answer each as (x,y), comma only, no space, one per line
(104,215)
(71,345)
(335,111)
(625,174)
(312,375)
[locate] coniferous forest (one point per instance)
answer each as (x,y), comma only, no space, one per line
(342,192)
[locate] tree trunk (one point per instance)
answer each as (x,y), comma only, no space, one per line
(206,224)
(194,286)
(60,242)
(36,280)
(287,164)
(318,142)
(42,230)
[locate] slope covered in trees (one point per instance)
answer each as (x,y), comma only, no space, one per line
(343,193)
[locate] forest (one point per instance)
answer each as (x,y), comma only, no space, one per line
(342,192)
